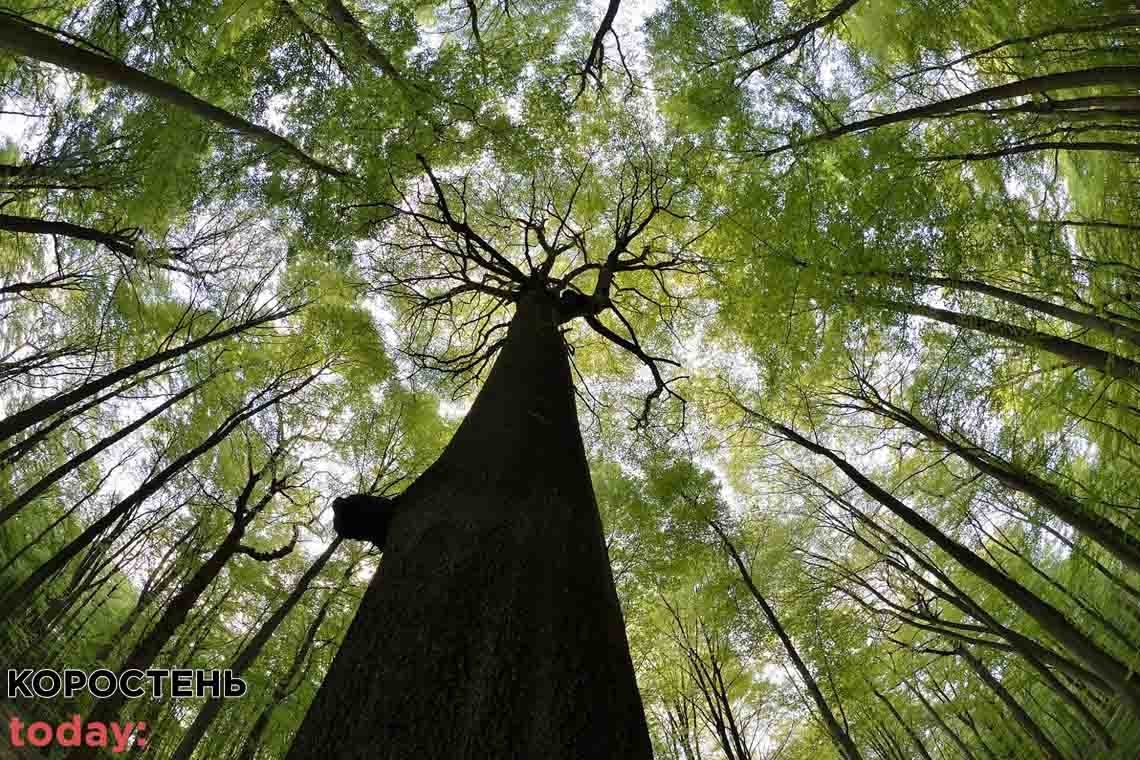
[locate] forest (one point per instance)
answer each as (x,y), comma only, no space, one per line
(677,379)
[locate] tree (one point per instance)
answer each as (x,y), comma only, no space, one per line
(787,355)
(507,511)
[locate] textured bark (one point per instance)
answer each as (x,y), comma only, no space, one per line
(492,628)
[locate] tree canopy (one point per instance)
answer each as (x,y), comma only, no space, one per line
(849,294)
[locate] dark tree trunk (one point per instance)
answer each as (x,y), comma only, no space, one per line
(1040,738)
(149,647)
(842,740)
(34,226)
(156,584)
(1111,364)
(47,481)
(954,737)
(914,737)
(1115,673)
(492,628)
(249,654)
(1073,511)
(15,599)
(22,420)
(18,36)
(1068,80)
(1073,316)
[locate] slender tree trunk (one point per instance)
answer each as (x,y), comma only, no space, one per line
(492,628)
(250,653)
(53,477)
(1079,318)
(842,739)
(22,420)
(954,737)
(1106,362)
(914,737)
(1102,146)
(1048,748)
(285,685)
(18,36)
(156,583)
(151,645)
(16,598)
(1119,542)
(31,225)
(1051,620)
(1095,77)
(19,450)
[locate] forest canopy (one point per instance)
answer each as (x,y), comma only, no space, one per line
(540,378)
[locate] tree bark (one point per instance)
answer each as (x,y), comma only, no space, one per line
(492,628)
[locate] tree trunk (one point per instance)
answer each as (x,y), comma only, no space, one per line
(492,628)
(1109,363)
(33,226)
(954,737)
(1048,748)
(1051,620)
(914,737)
(16,599)
(1073,511)
(24,419)
(72,464)
(25,40)
(1080,318)
(292,679)
(841,738)
(156,584)
(1095,77)
(149,647)
(249,654)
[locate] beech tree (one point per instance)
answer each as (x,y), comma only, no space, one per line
(682,379)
